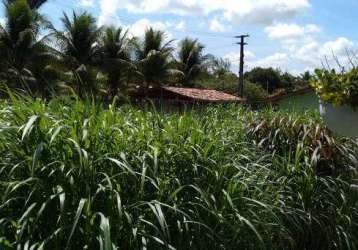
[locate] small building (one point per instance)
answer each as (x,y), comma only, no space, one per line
(283,94)
(178,98)
(299,100)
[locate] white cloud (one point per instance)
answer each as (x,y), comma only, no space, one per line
(300,57)
(312,28)
(314,53)
(264,11)
(277,60)
(304,49)
(108,12)
(86,3)
(243,11)
(217,26)
(181,26)
(138,28)
(283,31)
(2,21)
(234,57)
(337,46)
(308,54)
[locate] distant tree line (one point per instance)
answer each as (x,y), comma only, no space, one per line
(37,57)
(259,82)
(271,79)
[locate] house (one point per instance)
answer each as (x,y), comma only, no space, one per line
(301,101)
(178,98)
(283,94)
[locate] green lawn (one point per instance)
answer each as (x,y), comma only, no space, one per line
(76,175)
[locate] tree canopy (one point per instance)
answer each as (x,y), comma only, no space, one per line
(41,59)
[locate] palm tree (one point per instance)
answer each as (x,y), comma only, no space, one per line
(20,43)
(154,56)
(78,48)
(115,58)
(190,60)
(221,68)
(34,4)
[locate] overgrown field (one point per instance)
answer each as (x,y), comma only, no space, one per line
(76,175)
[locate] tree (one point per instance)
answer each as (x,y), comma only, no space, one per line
(78,49)
(115,58)
(254,93)
(268,78)
(306,77)
(221,68)
(21,47)
(153,57)
(190,60)
(34,4)
(288,81)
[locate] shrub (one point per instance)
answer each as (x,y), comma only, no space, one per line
(254,93)
(337,88)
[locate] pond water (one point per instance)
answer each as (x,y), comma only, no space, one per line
(300,103)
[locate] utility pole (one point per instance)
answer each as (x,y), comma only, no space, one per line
(242,56)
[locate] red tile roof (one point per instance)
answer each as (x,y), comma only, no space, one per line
(204,94)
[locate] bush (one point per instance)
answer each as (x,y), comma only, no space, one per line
(337,88)
(254,93)
(287,82)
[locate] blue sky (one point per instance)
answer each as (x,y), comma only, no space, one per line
(294,35)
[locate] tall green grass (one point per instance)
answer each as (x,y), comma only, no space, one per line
(77,175)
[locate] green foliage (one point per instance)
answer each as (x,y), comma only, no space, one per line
(268,78)
(115,59)
(283,133)
(77,41)
(34,4)
(75,175)
(21,49)
(287,81)
(85,59)
(272,79)
(221,67)
(78,49)
(306,77)
(227,82)
(190,60)
(154,58)
(337,88)
(254,93)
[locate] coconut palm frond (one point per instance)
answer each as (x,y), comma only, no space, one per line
(114,58)
(77,46)
(190,60)
(23,49)
(154,57)
(34,4)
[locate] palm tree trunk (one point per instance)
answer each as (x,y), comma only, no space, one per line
(113,80)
